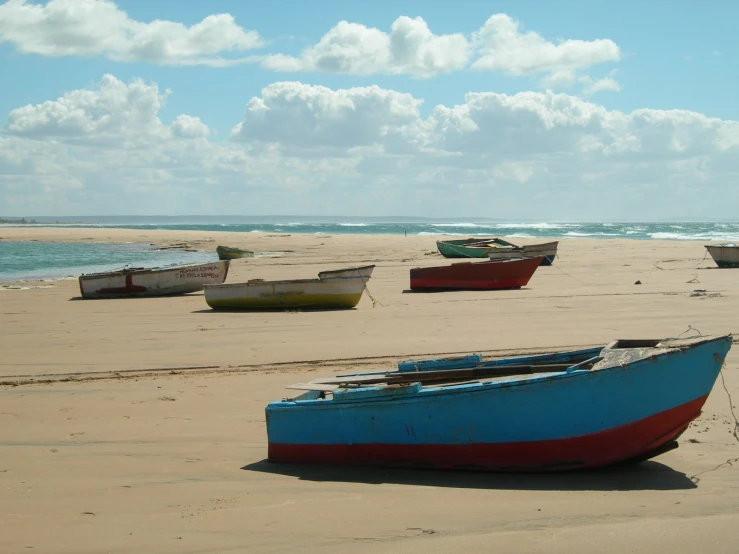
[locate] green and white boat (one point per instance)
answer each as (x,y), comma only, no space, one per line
(496,249)
(229,253)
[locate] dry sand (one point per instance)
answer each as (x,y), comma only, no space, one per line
(138,425)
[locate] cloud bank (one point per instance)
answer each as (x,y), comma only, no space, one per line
(88,28)
(301,148)
(99,28)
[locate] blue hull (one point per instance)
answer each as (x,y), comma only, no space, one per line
(633,401)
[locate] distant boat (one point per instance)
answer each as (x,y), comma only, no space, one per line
(725,255)
(334,289)
(155,281)
(626,402)
(472,247)
(496,249)
(486,275)
(228,253)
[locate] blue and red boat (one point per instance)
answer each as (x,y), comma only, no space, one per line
(627,401)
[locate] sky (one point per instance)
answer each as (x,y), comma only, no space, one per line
(584,110)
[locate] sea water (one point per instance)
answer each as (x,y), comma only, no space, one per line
(38,260)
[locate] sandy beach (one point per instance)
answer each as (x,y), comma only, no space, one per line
(137,425)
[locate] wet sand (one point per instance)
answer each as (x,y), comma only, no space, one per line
(137,425)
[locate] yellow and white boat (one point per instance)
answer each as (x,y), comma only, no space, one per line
(334,289)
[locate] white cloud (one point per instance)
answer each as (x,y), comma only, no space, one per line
(34,172)
(604,84)
(410,48)
(89,28)
(309,117)
(115,112)
(187,126)
(502,47)
(368,150)
(554,146)
(561,79)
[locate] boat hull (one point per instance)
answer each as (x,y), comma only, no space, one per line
(487,275)
(634,440)
(571,420)
(162,281)
(340,289)
(725,255)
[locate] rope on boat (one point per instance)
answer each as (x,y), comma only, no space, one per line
(703,260)
(129,264)
(690,328)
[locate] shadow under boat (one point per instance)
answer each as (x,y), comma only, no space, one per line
(271,310)
(632,475)
(435,290)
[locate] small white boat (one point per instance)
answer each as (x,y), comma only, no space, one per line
(155,281)
(335,289)
(725,255)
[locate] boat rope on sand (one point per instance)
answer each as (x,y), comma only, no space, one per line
(366,288)
(568,275)
(735,433)
(657,266)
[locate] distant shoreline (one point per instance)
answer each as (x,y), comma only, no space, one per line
(21,221)
(332,219)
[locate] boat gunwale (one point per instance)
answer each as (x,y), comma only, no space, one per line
(482,261)
(551,244)
(500,383)
(312,280)
(481,240)
(728,245)
(146,270)
(358,268)
(232,249)
(260,283)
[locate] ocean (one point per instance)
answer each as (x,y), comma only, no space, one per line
(33,260)
(41,261)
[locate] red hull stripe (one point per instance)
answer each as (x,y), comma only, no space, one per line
(469,284)
(598,449)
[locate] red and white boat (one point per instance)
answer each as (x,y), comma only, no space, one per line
(155,281)
(488,275)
